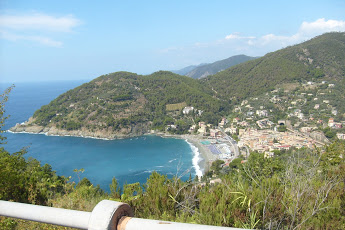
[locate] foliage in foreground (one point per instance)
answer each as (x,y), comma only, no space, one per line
(299,189)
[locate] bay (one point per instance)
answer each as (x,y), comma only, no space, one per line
(129,160)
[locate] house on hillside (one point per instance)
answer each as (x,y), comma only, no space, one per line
(331,122)
(235,120)
(231,130)
(337,125)
(202,130)
(188,109)
(262,113)
(223,122)
(341,136)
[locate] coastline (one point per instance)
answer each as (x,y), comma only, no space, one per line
(27,127)
(206,155)
(202,155)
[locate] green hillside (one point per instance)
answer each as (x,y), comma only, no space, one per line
(125,102)
(322,57)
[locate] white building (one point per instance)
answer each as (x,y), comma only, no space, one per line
(187,109)
(341,136)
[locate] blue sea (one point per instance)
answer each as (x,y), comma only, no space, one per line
(128,160)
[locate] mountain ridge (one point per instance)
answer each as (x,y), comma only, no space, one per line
(187,69)
(215,67)
(206,69)
(125,104)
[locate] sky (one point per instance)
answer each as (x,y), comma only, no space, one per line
(81,40)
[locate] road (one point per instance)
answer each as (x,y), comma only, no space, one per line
(232,142)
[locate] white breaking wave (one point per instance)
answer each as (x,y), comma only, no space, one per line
(56,135)
(146,171)
(196,159)
(172,160)
(9,131)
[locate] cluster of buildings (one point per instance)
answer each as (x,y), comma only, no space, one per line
(216,140)
(255,130)
(269,140)
(206,129)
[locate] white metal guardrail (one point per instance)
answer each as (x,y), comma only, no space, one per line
(106,215)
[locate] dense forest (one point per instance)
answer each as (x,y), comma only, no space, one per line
(297,189)
(122,101)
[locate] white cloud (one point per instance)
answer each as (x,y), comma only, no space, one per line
(37,28)
(236,35)
(306,31)
(250,42)
(321,26)
(42,40)
(232,36)
(237,43)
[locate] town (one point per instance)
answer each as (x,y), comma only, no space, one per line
(300,115)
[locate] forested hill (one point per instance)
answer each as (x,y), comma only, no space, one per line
(322,57)
(124,103)
(205,70)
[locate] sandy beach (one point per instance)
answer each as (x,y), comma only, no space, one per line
(206,154)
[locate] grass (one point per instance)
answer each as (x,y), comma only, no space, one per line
(174,107)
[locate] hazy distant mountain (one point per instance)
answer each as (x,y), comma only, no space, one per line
(187,69)
(204,70)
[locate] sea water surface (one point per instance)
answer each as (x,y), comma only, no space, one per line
(128,160)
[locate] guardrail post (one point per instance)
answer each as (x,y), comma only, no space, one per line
(104,216)
(107,214)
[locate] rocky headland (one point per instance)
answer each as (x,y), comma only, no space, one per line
(30,127)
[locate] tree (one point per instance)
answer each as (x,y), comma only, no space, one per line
(3,100)
(236,163)
(282,128)
(115,189)
(330,134)
(216,166)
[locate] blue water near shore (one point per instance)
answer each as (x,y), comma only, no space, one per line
(129,160)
